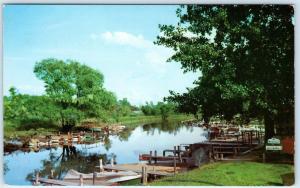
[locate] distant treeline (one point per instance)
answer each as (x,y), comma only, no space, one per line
(74,93)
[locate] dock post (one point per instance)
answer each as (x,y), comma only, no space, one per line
(81,179)
(243,136)
(150,157)
(174,165)
(178,150)
(144,175)
(155,157)
(180,158)
(174,151)
(52,174)
(94,177)
(251,137)
(209,156)
(100,165)
(37,178)
(112,161)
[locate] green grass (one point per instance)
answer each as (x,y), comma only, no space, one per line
(11,133)
(230,174)
(132,121)
(11,129)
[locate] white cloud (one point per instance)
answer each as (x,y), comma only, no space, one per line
(30,89)
(124,38)
(154,57)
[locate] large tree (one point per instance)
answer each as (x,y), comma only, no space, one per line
(246,58)
(77,89)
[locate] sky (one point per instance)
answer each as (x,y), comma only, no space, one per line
(117,40)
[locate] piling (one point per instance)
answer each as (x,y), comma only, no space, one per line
(174,164)
(101,165)
(37,178)
(52,174)
(144,175)
(174,151)
(81,179)
(150,158)
(155,157)
(94,177)
(112,161)
(179,153)
(210,156)
(235,151)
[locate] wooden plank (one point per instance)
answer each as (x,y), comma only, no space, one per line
(230,147)
(123,178)
(109,167)
(56,182)
(146,157)
(65,183)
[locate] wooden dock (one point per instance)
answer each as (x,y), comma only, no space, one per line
(68,183)
(147,157)
(137,168)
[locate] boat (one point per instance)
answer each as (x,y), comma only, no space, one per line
(111,177)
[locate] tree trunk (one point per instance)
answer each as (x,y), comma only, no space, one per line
(269,126)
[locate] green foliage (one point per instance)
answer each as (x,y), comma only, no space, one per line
(163,109)
(246,58)
(77,89)
(29,112)
(123,108)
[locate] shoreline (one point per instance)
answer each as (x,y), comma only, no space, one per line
(18,140)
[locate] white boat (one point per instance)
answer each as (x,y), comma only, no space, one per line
(110,177)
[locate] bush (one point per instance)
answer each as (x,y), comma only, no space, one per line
(36,124)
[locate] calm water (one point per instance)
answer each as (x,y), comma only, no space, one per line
(124,148)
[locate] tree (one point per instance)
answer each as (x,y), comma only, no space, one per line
(76,89)
(148,109)
(165,109)
(124,107)
(26,111)
(246,58)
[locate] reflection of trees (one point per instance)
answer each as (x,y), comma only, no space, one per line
(82,162)
(107,142)
(165,126)
(5,167)
(125,134)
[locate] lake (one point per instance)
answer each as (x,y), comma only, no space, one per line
(124,147)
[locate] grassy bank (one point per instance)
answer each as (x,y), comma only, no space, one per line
(132,121)
(230,174)
(11,131)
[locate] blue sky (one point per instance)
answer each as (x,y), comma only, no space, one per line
(114,39)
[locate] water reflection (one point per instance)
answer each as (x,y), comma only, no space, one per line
(61,164)
(124,147)
(165,126)
(5,167)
